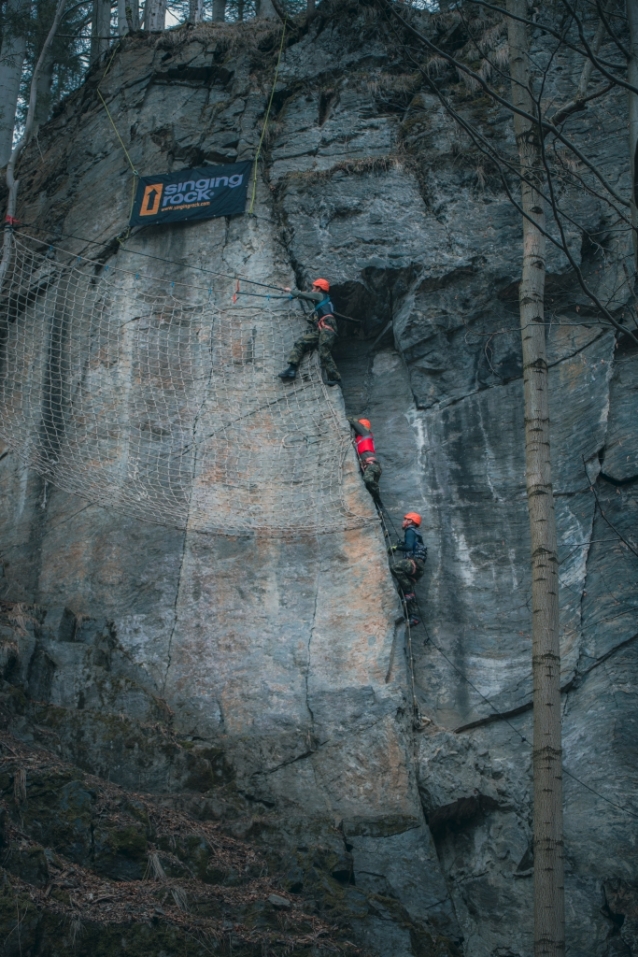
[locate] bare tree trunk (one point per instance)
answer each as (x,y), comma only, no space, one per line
(100,28)
(632,77)
(265,10)
(219,11)
(310,6)
(44,83)
(122,25)
(549,906)
(12,52)
(133,14)
(29,126)
(128,16)
(196,11)
(240,10)
(155,15)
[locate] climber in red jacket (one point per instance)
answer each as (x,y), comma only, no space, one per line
(364,444)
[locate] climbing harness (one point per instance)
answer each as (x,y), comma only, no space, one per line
(324,326)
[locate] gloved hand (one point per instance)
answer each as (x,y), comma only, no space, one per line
(392,549)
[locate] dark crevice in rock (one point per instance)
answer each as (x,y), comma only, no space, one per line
(581,673)
(326,99)
(178,585)
(448,403)
(285,764)
(460,814)
(307,671)
(496,716)
(571,685)
(617,482)
(398,627)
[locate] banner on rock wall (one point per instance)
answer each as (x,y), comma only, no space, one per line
(191,194)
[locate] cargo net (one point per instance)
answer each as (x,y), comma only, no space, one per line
(165,406)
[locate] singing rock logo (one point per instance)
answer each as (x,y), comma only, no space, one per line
(151,199)
(198,192)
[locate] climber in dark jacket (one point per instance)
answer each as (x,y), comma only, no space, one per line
(409,570)
(364,443)
(322,336)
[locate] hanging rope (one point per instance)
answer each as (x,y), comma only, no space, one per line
(125,236)
(126,152)
(263,129)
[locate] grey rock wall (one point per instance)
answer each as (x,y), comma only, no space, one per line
(290,656)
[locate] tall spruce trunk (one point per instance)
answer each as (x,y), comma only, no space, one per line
(128,16)
(632,77)
(12,53)
(549,905)
(155,15)
(100,28)
(29,127)
(264,10)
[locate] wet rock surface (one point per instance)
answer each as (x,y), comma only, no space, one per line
(263,683)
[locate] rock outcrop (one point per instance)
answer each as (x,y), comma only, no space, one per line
(262,681)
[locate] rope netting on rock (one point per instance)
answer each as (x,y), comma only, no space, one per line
(166,406)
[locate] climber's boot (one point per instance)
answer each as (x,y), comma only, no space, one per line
(289,373)
(409,600)
(333,381)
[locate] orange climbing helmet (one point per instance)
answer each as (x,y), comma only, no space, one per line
(322,284)
(365,423)
(412,517)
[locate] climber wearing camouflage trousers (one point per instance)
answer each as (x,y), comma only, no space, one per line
(364,444)
(321,336)
(409,570)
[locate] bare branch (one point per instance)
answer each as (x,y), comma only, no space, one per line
(546,124)
(499,162)
(602,13)
(592,56)
(547,29)
(631,547)
(578,104)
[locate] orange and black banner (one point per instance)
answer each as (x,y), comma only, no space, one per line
(199,193)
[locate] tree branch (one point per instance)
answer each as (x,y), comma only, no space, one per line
(602,13)
(546,28)
(578,104)
(546,125)
(500,162)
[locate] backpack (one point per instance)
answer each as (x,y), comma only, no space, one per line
(324,308)
(420,550)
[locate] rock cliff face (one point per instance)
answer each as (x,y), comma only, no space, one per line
(265,681)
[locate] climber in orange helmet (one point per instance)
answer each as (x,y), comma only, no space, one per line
(364,444)
(321,336)
(409,570)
